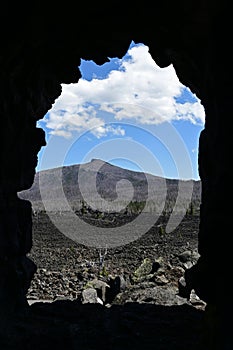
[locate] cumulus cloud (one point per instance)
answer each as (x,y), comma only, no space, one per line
(139,92)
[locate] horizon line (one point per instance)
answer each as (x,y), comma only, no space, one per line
(122,167)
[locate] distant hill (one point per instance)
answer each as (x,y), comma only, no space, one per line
(107,187)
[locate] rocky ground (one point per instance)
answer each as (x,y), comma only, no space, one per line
(64,267)
(87,298)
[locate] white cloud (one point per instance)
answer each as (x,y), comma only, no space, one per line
(63,133)
(194,112)
(140,92)
(103,130)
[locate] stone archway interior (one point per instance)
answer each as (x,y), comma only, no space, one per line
(40,48)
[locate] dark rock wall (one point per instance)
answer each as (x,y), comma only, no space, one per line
(41,48)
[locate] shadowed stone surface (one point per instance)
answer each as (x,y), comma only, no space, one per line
(41,48)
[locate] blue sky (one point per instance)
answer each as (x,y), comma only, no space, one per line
(129,112)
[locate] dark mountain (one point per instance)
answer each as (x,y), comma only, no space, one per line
(107,187)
